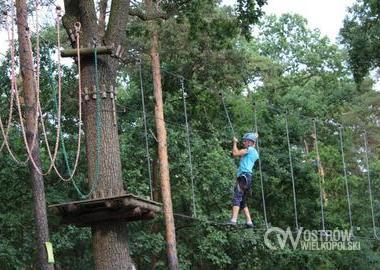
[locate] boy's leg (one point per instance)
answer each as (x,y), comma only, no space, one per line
(235,213)
(244,201)
(247,215)
(236,201)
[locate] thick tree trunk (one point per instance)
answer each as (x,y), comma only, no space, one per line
(110,243)
(29,86)
(162,148)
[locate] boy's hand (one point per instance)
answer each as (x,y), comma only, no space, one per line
(235,140)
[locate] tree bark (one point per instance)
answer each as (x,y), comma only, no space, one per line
(110,243)
(162,146)
(31,118)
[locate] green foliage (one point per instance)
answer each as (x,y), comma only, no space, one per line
(360,35)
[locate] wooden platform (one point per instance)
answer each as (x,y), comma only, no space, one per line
(125,208)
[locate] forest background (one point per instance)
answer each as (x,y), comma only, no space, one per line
(285,70)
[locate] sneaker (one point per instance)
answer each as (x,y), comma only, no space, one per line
(249,225)
(232,223)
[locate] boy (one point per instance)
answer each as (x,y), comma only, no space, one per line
(248,156)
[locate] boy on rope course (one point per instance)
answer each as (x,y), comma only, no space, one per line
(248,156)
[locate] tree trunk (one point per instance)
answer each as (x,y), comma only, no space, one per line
(110,243)
(31,118)
(162,147)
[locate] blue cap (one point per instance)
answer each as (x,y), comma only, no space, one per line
(250,136)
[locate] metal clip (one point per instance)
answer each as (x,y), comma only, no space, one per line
(77,27)
(58,11)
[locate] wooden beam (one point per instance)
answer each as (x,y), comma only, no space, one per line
(88,219)
(101,200)
(132,202)
(112,204)
(87,51)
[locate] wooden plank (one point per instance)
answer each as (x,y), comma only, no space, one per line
(134,202)
(102,216)
(126,207)
(86,51)
(100,200)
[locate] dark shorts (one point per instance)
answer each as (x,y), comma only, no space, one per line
(241,190)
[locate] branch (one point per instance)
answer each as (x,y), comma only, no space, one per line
(102,17)
(171,9)
(70,18)
(115,33)
(84,12)
(143,16)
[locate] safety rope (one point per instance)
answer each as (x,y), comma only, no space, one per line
(369,183)
(292,173)
(320,175)
(72,171)
(184,96)
(345,174)
(98,128)
(10,110)
(260,170)
(145,131)
(53,156)
(38,109)
(98,120)
(38,56)
(18,103)
(5,131)
(227,115)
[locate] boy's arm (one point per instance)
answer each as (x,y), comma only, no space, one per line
(237,152)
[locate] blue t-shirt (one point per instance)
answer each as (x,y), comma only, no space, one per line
(247,161)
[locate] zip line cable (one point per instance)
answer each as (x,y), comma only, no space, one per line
(260,170)
(292,173)
(369,183)
(184,95)
(345,175)
(320,176)
(148,159)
